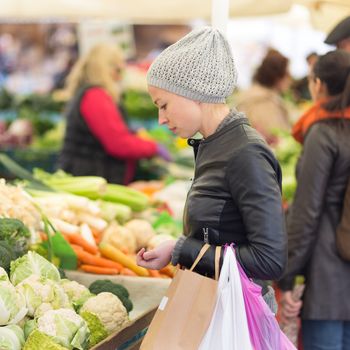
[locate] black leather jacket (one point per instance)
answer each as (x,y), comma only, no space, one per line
(235,198)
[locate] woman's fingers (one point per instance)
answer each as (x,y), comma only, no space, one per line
(290,307)
(141,252)
(151,254)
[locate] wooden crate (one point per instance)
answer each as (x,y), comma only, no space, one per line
(130,337)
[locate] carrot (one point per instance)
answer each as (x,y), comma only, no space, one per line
(65,236)
(154,273)
(127,272)
(168,270)
(97,235)
(43,236)
(99,270)
(125,250)
(79,240)
(117,255)
(76,247)
(95,260)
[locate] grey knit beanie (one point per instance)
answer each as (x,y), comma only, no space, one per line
(199,67)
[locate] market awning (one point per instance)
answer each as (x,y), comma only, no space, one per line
(136,11)
(324,13)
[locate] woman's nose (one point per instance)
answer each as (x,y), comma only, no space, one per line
(162,120)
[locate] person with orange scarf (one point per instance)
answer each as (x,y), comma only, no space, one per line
(322,172)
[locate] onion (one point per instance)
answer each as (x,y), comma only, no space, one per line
(22,129)
(2,127)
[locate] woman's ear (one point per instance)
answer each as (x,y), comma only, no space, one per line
(320,88)
(323,89)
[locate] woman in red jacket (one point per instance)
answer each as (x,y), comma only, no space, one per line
(97,139)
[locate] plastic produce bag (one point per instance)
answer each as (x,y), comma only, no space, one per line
(228,329)
(265,333)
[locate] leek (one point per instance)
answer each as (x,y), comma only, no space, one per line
(136,200)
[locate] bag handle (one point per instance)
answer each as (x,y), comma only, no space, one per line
(200,255)
(217,258)
(217,262)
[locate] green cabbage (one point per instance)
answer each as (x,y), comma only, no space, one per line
(11,338)
(32,264)
(12,304)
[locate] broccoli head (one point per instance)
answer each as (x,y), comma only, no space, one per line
(118,290)
(6,256)
(16,234)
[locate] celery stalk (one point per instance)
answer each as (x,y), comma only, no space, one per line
(136,200)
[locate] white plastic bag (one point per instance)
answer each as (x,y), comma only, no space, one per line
(228,329)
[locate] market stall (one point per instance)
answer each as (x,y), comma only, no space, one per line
(50,222)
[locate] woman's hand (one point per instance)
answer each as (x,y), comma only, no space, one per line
(290,307)
(156,258)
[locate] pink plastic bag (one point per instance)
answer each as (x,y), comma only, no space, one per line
(265,333)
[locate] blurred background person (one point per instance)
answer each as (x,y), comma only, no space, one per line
(322,175)
(97,140)
(262,102)
(340,35)
(300,87)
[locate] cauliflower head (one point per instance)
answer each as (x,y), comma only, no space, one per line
(142,230)
(65,327)
(73,289)
(38,290)
(109,309)
(120,237)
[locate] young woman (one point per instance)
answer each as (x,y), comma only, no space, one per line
(97,140)
(322,174)
(235,196)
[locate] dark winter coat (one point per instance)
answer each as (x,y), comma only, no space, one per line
(322,173)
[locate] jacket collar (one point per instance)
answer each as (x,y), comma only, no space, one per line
(241,119)
(233,124)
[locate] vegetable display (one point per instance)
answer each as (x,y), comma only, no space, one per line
(41,311)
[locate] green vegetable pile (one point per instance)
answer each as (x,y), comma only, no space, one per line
(139,105)
(287,151)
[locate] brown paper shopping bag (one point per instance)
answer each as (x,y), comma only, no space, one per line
(185,311)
